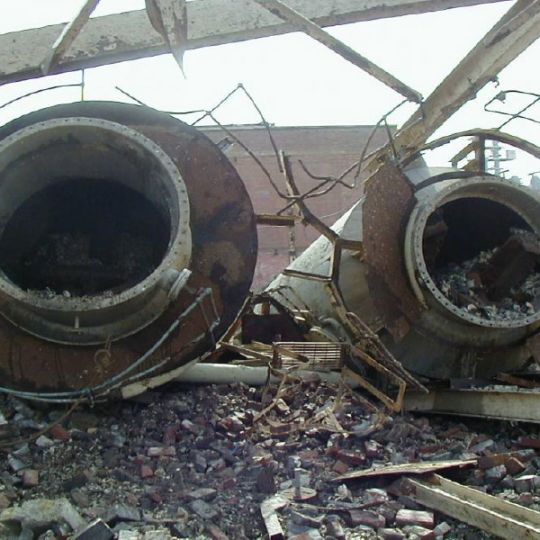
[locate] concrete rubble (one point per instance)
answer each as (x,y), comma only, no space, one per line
(219,461)
(498,284)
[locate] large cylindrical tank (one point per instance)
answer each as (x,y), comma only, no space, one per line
(391,283)
(127,247)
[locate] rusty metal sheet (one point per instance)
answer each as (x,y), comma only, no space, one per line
(388,202)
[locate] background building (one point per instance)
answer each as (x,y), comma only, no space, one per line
(324,150)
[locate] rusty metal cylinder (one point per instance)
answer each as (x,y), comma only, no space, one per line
(127,247)
(392,284)
(69,273)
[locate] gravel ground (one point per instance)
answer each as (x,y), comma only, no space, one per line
(197,462)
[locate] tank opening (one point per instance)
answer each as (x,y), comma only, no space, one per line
(82,237)
(484,258)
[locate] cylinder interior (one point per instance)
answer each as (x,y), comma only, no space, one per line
(83,237)
(84,210)
(473,225)
(483,255)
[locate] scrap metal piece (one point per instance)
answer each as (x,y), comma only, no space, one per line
(313,30)
(68,36)
(413,223)
(318,356)
(515,406)
(127,36)
(491,514)
(406,469)
(389,198)
(169,18)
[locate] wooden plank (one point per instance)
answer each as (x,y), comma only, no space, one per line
(316,32)
(127,36)
(422,467)
(492,514)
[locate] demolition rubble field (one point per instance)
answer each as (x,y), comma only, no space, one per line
(201,462)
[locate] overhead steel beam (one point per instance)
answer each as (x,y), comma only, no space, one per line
(127,36)
(68,35)
(313,30)
(504,42)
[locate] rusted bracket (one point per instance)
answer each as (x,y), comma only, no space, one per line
(283,11)
(478,163)
(67,37)
(492,514)
(273,220)
(486,134)
(169,18)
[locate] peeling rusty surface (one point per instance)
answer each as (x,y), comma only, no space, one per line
(223,258)
(389,199)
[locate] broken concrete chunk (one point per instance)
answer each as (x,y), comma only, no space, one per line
(30,478)
(495,474)
(129,535)
(310,534)
(96,530)
(203,509)
(206,494)
(42,513)
(390,534)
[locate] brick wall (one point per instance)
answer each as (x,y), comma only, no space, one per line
(325,150)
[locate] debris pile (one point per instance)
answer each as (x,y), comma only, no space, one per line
(498,284)
(302,460)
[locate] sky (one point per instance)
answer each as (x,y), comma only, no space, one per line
(295,80)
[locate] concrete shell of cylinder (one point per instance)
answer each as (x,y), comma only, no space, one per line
(68,148)
(441,340)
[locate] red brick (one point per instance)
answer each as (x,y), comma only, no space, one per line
(529,442)
(59,433)
(340,467)
(415,517)
(514,466)
(371,519)
(146,471)
(215,533)
(169,435)
(351,458)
